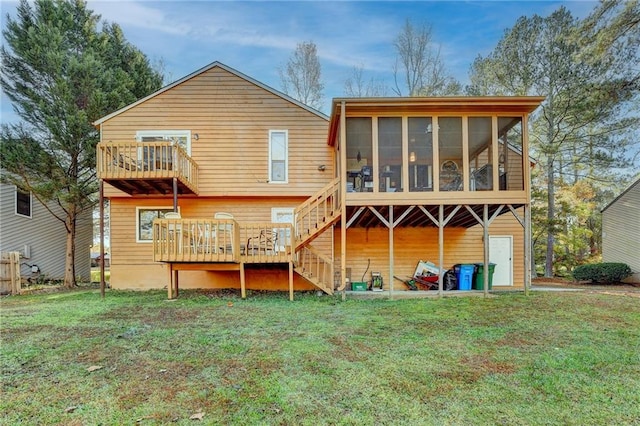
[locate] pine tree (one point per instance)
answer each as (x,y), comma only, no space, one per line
(61,73)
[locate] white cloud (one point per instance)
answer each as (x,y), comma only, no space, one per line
(137,15)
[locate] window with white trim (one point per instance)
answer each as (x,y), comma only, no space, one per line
(23,203)
(278,153)
(144,221)
(181,138)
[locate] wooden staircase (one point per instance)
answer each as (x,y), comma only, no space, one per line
(315,268)
(313,217)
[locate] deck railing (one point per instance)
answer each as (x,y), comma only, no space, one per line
(266,242)
(221,240)
(145,160)
(196,240)
(317,212)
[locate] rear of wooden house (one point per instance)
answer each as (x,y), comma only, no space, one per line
(254,154)
(234,184)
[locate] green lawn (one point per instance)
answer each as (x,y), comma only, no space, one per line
(551,358)
(95,275)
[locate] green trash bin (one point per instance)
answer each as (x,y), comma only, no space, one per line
(478,282)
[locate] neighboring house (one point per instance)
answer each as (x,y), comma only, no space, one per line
(26,226)
(238,185)
(621,230)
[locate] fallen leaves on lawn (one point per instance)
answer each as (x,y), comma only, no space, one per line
(70,409)
(197,416)
(94,368)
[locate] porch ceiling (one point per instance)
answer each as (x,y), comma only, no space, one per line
(417,218)
(156,186)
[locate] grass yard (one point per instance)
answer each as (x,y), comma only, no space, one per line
(551,358)
(95,275)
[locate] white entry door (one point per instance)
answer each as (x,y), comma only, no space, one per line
(501,253)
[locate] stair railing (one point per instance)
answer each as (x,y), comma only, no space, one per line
(317,212)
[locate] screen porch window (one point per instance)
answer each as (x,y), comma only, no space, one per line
(23,203)
(144,221)
(278,153)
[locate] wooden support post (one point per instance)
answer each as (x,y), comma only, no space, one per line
(527,249)
(175,194)
(175,273)
(243,283)
(101,204)
(291,281)
(170,286)
(441,247)
(485,238)
(343,198)
(391,255)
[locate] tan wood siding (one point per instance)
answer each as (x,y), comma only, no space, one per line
(461,245)
(132,263)
(621,230)
(232,118)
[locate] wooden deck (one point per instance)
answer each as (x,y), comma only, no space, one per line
(221,241)
(145,168)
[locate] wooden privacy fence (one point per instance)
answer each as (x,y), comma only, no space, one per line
(10,272)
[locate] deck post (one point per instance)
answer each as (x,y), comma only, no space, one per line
(343,200)
(175,273)
(170,286)
(291,281)
(440,247)
(175,194)
(243,283)
(391,255)
(101,204)
(485,238)
(527,249)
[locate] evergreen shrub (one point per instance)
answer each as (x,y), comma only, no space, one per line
(602,273)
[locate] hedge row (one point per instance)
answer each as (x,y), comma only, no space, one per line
(603,273)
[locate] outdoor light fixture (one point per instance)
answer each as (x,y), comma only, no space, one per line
(196,136)
(412,157)
(322,167)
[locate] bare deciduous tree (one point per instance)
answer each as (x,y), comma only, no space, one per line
(301,77)
(419,64)
(355,85)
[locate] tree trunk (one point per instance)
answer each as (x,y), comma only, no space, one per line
(551,212)
(70,264)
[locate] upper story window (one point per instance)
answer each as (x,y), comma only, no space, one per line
(23,203)
(181,138)
(278,156)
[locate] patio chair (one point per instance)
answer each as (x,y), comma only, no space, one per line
(264,243)
(224,232)
(181,235)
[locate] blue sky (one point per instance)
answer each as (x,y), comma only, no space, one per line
(257,37)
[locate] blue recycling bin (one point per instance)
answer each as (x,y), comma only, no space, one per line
(464,274)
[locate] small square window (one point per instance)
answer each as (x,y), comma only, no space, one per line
(23,203)
(144,221)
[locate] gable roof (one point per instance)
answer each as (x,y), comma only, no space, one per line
(203,70)
(632,185)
